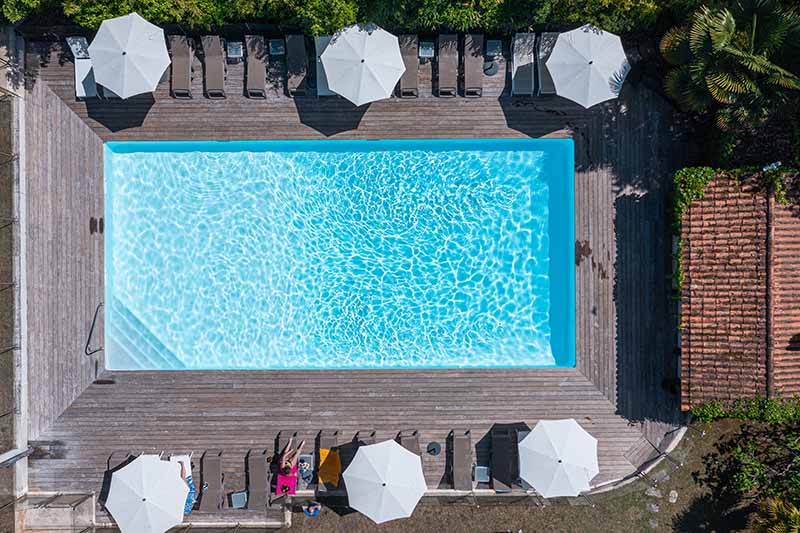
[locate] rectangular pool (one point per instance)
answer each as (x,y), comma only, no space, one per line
(340,254)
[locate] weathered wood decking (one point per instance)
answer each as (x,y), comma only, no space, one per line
(624,152)
(64,259)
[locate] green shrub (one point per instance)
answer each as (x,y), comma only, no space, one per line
(774,411)
(618,16)
(319,17)
(326,16)
(709,411)
(16,10)
(690,185)
(198,13)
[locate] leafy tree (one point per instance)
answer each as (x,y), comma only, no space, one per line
(777,516)
(760,461)
(725,61)
(16,10)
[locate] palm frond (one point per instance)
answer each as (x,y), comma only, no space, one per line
(725,82)
(721,28)
(699,39)
(674,46)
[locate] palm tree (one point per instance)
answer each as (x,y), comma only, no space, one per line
(777,516)
(725,61)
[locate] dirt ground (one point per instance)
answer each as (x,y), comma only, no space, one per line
(627,509)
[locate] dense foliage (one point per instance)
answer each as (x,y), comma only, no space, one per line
(759,461)
(734,62)
(690,185)
(325,16)
(779,410)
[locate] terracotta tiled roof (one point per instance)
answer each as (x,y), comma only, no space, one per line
(786,294)
(740,306)
(723,310)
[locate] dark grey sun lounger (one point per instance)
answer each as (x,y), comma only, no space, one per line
(320,44)
(504,443)
(461,460)
(523,62)
(543,50)
(473,65)
(212,494)
(296,65)
(180,48)
(448,65)
(256,66)
(257,480)
(213,66)
(409,82)
(410,441)
(365,437)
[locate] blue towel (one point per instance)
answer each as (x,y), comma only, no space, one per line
(189,497)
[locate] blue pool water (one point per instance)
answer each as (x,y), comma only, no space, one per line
(340,254)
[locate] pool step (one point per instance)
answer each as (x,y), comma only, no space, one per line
(133,344)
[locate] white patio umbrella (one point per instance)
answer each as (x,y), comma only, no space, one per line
(558,458)
(363,63)
(147,495)
(384,481)
(129,55)
(588,65)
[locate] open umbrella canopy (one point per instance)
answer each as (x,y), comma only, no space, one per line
(384,481)
(147,495)
(588,65)
(558,458)
(363,63)
(129,55)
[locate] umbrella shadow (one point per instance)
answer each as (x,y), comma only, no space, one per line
(117,114)
(530,115)
(329,115)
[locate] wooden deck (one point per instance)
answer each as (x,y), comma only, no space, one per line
(625,152)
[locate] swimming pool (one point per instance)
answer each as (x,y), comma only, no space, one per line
(339,254)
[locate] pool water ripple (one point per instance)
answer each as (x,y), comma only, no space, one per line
(293,258)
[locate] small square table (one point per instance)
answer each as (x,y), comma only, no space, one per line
(235,50)
(426,49)
(277,47)
(494,48)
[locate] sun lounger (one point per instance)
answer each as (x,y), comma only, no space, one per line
(523,56)
(543,50)
(84,74)
(504,444)
(296,65)
(409,82)
(180,48)
(461,460)
(212,494)
(256,66)
(329,464)
(410,441)
(320,44)
(473,65)
(213,66)
(257,480)
(108,94)
(364,437)
(448,65)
